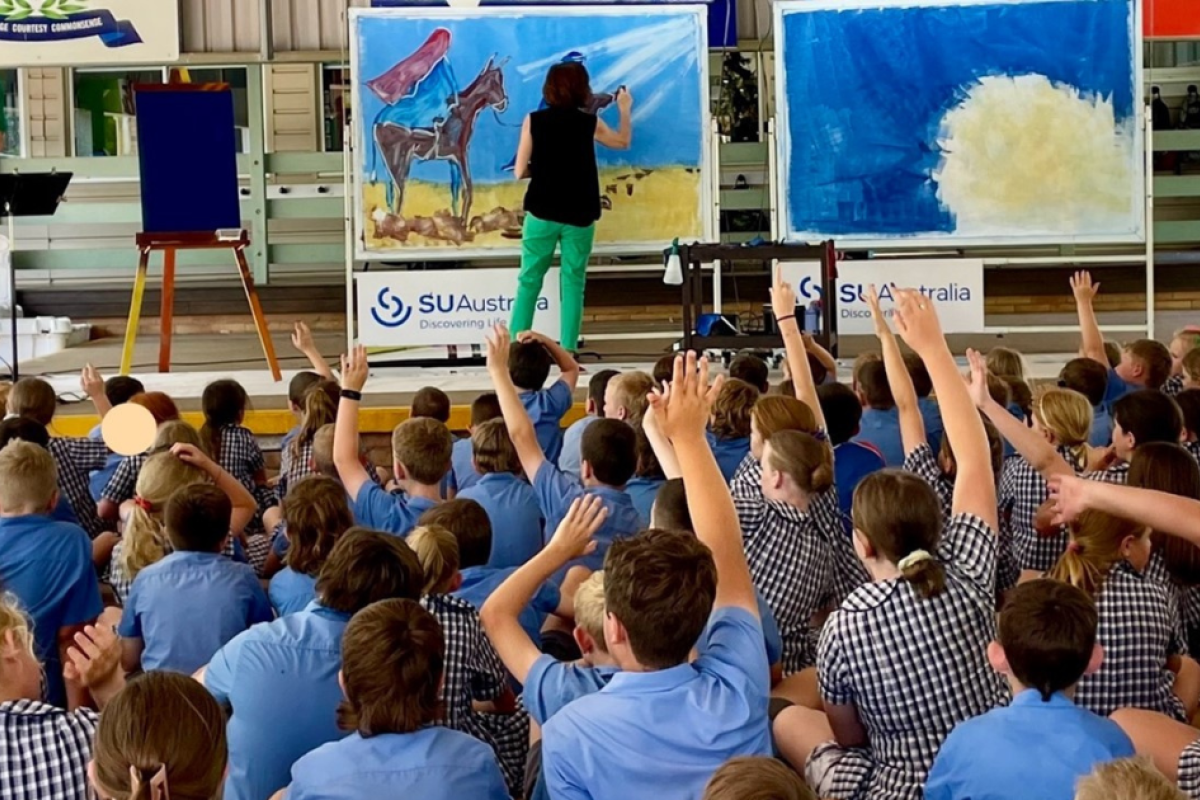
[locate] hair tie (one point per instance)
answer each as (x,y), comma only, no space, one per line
(1074,547)
(914,558)
(143,503)
(158,783)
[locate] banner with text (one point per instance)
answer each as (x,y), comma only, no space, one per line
(439,307)
(81,32)
(954,285)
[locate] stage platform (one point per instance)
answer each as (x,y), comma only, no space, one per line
(201,359)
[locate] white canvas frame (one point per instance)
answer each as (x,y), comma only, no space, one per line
(446,253)
(1139,179)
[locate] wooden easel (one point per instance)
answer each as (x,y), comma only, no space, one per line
(169,243)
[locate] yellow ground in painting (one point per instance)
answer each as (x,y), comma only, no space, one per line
(664,204)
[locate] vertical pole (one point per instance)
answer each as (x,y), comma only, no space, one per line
(260,320)
(1150,264)
(257,203)
(135,311)
(167,312)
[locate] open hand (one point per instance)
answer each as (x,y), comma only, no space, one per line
(355,369)
(917,322)
(190,454)
(574,535)
(95,656)
(783,296)
(976,379)
(302,338)
(1082,287)
(881,327)
(1070,496)
(91,381)
(498,344)
(684,406)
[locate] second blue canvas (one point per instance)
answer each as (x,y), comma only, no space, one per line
(930,121)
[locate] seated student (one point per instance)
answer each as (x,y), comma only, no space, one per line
(648,475)
(117,391)
(729,428)
(770,415)
(887,706)
(393,657)
(625,396)
(1188,401)
(122,485)
(316,514)
(1127,779)
(1006,363)
(756,778)
(295,458)
(161,628)
(431,402)
(162,736)
(74,458)
(608,451)
(472,529)
(880,423)
(420,451)
(46,564)
(281,678)
(473,672)
(852,461)
(463,474)
(663,368)
(752,370)
(1145,363)
(509,501)
(529,363)
(1140,417)
(667,592)
(1182,342)
(232,445)
(931,415)
(569,458)
(1090,379)
(1040,745)
(27,430)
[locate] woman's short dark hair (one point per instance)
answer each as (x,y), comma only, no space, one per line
(567,86)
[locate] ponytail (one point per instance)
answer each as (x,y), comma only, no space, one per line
(145,539)
(320,409)
(1094,547)
(924,573)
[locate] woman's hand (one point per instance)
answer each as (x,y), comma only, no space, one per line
(624,100)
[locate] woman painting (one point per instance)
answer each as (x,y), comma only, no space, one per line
(562,203)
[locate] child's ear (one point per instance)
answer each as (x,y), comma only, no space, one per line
(341,682)
(398,472)
(1127,545)
(997,658)
(585,641)
(1096,660)
(585,470)
(54,500)
(455,583)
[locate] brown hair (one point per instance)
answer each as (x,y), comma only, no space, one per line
(176,431)
(33,398)
(660,585)
(432,403)
(197,518)
(316,514)
(320,409)
(919,374)
(161,721)
(422,446)
(772,414)
(610,447)
(631,391)
(1006,363)
(752,370)
(365,566)
(805,460)
(322,452)
(493,448)
(995,450)
(28,477)
(159,404)
(874,387)
(1086,376)
(999,390)
(731,410)
(1094,548)
(1020,395)
(1048,631)
(224,404)
(1155,359)
(485,407)
(471,526)
(899,514)
(437,550)
(1167,467)
(756,778)
(1127,779)
(1112,351)
(567,86)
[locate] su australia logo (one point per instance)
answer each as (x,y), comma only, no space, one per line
(62,20)
(391,311)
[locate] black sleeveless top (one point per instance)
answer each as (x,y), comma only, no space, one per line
(564,185)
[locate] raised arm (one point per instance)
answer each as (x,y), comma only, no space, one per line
(1085,292)
(821,354)
(663,450)
(912,426)
(302,340)
(975,484)
(566,363)
(524,151)
(1040,454)
(622,137)
(783,305)
(1169,513)
(346,457)
(501,613)
(244,504)
(516,418)
(92,383)
(683,411)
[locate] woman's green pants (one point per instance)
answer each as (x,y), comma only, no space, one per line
(538,241)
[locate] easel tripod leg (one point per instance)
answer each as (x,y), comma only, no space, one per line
(166,315)
(260,320)
(135,312)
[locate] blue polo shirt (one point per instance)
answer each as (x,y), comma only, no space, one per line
(98,479)
(1102,425)
(186,606)
(931,416)
(853,461)
(478,583)
(392,513)
(643,491)
(546,408)
(1030,750)
(462,465)
(552,684)
(291,591)
(433,763)
(48,566)
(555,493)
(1117,388)
(651,735)
(730,453)
(281,680)
(881,430)
(570,460)
(516,518)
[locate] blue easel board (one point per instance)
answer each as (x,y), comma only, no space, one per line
(187,152)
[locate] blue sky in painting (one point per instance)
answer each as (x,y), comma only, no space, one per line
(866,90)
(653,52)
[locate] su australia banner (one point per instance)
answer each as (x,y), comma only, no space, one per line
(81,32)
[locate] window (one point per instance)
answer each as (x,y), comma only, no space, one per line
(103,110)
(10,114)
(335,94)
(236,78)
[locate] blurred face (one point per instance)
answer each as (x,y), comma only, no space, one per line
(756,440)
(1137,550)
(1178,351)
(1128,370)
(611,409)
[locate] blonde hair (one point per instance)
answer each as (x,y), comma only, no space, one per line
(631,391)
(1094,548)
(1127,779)
(176,431)
(13,619)
(320,409)
(1006,363)
(437,550)
(1068,415)
(757,778)
(589,608)
(145,539)
(28,477)
(1191,364)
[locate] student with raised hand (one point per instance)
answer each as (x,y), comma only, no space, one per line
(529,362)
(783,305)
(1145,363)
(904,658)
(666,723)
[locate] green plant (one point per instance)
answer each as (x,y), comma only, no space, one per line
(17,10)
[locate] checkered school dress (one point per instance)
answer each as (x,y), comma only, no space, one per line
(122,485)
(1173,386)
(1118,473)
(1140,628)
(1189,770)
(914,668)
(240,456)
(295,468)
(44,751)
(76,459)
(473,671)
(1025,489)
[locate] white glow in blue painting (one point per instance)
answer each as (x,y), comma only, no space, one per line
(976,122)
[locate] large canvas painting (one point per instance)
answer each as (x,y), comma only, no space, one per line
(956,122)
(440,95)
